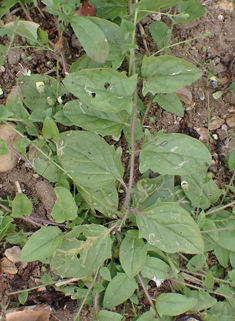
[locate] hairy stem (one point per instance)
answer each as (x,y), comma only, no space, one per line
(132,71)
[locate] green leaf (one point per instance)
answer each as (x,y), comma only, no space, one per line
(91,37)
(60,117)
(88,159)
(204,300)
(42,244)
(119,290)
(173,304)
(170,102)
(105,273)
(222,311)
(231,161)
(196,262)
(84,62)
(104,315)
(5,223)
(65,207)
(23,297)
(21,205)
(190,10)
(155,268)
(104,200)
(201,190)
(109,9)
(209,280)
(6,5)
(166,74)
(132,255)
(226,238)
(170,228)
(46,167)
(229,292)
(147,191)
(4,112)
(148,316)
(115,40)
(231,258)
(102,89)
(173,154)
(32,98)
(3,147)
(222,255)
(16,238)
(150,5)
(50,129)
(78,258)
(93,120)
(27,29)
(46,278)
(159,32)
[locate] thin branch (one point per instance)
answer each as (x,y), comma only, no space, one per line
(86,296)
(220,208)
(146,291)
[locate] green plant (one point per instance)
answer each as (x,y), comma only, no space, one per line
(115,233)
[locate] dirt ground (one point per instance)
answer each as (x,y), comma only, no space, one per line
(217,50)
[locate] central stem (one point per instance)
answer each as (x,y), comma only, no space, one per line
(132,71)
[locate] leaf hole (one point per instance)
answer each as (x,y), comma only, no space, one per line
(93,95)
(106,85)
(78,256)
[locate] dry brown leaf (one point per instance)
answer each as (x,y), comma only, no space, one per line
(203,132)
(216,122)
(231,121)
(13,254)
(30,313)
(185,95)
(8,267)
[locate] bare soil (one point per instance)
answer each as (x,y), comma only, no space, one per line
(217,50)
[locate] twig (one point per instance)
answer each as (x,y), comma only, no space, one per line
(142,32)
(146,293)
(95,303)
(19,190)
(47,222)
(147,109)
(68,281)
(84,300)
(199,288)
(31,221)
(220,208)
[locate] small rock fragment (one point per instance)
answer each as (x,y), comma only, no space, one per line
(7,162)
(13,254)
(8,267)
(216,122)
(14,56)
(30,313)
(231,121)
(203,132)
(225,5)
(201,94)
(46,195)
